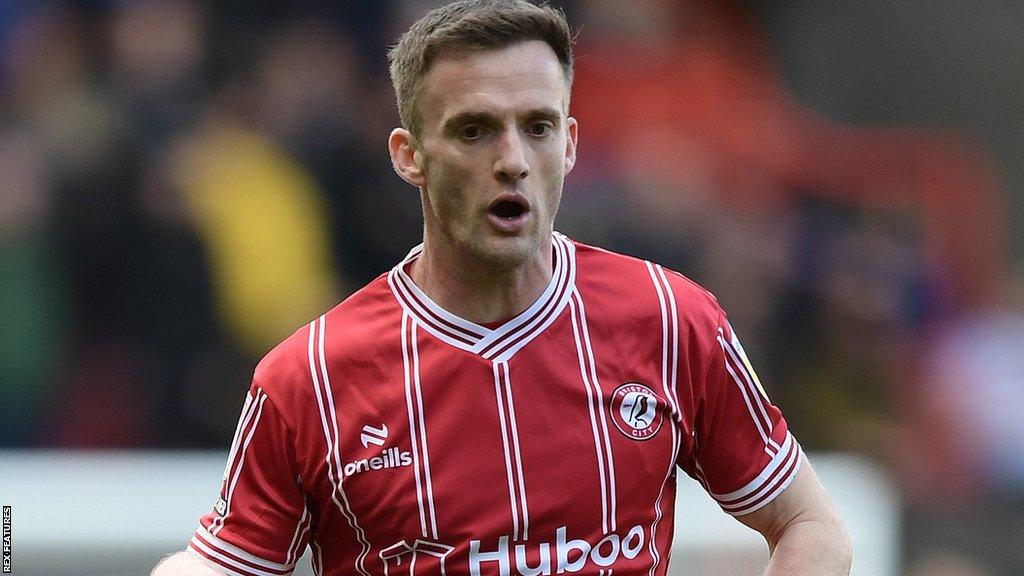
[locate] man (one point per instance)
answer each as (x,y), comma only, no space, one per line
(505,400)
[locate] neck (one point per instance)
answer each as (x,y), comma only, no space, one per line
(477,291)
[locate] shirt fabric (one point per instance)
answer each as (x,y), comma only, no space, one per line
(392,436)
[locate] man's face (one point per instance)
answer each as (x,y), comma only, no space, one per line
(496,145)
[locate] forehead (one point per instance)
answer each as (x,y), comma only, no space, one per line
(516,78)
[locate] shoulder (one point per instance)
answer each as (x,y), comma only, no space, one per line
(286,371)
(639,288)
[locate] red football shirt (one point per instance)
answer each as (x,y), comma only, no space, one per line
(394,437)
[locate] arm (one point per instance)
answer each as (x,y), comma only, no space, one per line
(260,524)
(804,533)
(187,563)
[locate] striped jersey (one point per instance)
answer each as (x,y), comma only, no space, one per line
(393,437)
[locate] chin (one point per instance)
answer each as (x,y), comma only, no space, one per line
(506,253)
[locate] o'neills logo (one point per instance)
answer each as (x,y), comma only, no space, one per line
(636,411)
(569,555)
(390,458)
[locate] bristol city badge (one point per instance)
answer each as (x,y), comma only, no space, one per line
(636,411)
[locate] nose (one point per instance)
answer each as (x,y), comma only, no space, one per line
(510,166)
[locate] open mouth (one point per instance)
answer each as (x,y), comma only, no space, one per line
(508,209)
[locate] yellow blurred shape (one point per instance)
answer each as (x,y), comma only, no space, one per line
(262,218)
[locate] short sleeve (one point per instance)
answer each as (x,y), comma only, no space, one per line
(743,452)
(260,523)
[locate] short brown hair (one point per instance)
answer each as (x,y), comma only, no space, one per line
(468,25)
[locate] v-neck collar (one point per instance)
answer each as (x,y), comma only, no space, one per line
(498,344)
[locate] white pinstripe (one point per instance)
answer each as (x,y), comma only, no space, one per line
(667,357)
(412,423)
(303,526)
(423,432)
(598,449)
(751,395)
(673,396)
(701,477)
(609,456)
(241,459)
(519,458)
(751,391)
(508,456)
(243,422)
(318,559)
(334,468)
(746,400)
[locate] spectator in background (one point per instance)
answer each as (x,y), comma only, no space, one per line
(51,93)
(33,301)
(261,216)
(319,105)
(702,103)
(157,51)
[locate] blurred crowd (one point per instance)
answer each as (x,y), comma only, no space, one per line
(183,184)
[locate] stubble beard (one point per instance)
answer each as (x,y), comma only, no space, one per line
(507,253)
(508,259)
(475,245)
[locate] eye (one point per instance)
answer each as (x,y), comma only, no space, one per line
(541,128)
(471,132)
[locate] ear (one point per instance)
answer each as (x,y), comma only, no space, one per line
(405,158)
(572,129)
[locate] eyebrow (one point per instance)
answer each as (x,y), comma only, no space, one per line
(486,118)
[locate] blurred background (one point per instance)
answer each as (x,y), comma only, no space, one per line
(185,183)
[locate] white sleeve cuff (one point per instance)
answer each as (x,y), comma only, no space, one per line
(234,560)
(773,479)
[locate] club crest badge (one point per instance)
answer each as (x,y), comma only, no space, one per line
(637,411)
